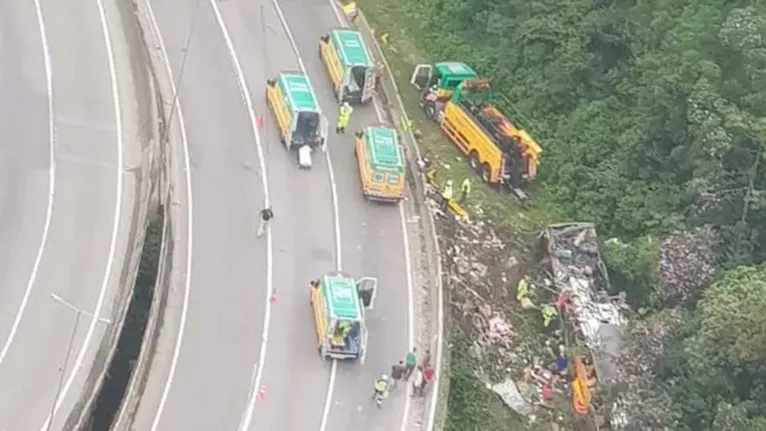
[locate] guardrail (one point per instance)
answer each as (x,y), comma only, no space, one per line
(397,113)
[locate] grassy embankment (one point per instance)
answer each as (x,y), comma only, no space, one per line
(471,405)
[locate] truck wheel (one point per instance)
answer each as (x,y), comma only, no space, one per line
(473,161)
(430,108)
(486,173)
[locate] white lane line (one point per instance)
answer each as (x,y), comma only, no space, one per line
(328,396)
(78,363)
(331,171)
(189,214)
(407,258)
(336,213)
(51,186)
(245,91)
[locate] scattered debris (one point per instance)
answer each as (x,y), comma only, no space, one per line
(686,263)
(592,318)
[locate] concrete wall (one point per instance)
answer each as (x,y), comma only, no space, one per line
(147,176)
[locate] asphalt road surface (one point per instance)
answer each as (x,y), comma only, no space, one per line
(224,375)
(371,244)
(63,231)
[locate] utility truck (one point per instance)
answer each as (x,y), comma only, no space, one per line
(454,96)
(349,65)
(300,122)
(381,163)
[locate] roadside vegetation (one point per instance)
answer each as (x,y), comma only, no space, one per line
(652,118)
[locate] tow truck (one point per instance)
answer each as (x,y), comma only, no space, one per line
(453,95)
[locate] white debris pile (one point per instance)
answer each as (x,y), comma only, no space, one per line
(594,318)
(478,262)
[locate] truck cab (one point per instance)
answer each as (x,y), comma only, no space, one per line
(445,76)
(301,125)
(349,65)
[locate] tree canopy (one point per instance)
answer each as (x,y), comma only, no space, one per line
(651,113)
(652,117)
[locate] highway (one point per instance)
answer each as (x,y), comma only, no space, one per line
(233,356)
(65,200)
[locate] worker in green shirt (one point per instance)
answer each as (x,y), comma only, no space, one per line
(410,363)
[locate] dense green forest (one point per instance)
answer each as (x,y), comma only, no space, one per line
(652,116)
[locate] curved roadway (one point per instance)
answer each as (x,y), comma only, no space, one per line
(213,369)
(65,202)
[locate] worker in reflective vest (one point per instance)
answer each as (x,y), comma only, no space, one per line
(549,313)
(344,117)
(446,195)
(465,190)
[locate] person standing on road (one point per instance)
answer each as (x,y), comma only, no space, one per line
(397,373)
(412,361)
(417,383)
(428,376)
(266,215)
(343,117)
(426,361)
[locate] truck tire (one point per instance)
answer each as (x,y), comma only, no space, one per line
(474,162)
(430,109)
(486,173)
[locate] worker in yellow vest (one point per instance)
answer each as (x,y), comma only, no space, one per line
(446,195)
(465,190)
(344,117)
(549,313)
(523,293)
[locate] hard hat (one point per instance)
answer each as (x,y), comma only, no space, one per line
(449,182)
(346,105)
(383,377)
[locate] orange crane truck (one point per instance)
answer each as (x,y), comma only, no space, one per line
(455,97)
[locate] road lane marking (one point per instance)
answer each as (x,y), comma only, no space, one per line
(244,89)
(51,186)
(407,257)
(176,104)
(331,171)
(328,396)
(77,309)
(336,219)
(78,363)
(440,300)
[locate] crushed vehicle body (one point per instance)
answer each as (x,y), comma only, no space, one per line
(349,65)
(594,321)
(381,162)
(301,125)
